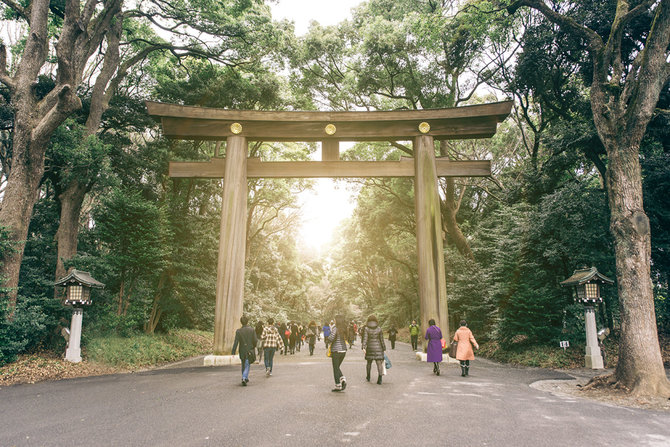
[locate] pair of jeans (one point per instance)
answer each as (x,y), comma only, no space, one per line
(268,356)
(337,358)
(245,369)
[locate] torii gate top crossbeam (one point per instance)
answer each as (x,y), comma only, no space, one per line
(200,123)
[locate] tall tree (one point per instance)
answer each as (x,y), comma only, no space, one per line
(625,87)
(106,38)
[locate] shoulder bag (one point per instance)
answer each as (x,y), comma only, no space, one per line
(453,348)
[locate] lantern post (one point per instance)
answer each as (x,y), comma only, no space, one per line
(586,283)
(78,286)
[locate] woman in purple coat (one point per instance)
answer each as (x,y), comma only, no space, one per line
(434,350)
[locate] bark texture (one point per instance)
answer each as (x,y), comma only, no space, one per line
(68,227)
(450,206)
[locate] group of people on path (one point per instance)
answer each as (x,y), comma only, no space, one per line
(464,352)
(269,338)
(337,335)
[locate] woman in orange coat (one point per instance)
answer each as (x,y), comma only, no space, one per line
(464,352)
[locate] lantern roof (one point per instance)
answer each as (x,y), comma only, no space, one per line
(582,276)
(81,277)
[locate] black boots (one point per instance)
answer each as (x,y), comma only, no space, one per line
(465,370)
(379,380)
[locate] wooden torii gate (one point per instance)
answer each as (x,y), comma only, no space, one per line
(238,127)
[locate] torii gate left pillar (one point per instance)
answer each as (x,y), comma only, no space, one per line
(232,240)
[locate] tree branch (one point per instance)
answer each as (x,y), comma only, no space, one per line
(4,75)
(22,12)
(594,42)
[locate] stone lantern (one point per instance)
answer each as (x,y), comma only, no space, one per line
(586,283)
(78,286)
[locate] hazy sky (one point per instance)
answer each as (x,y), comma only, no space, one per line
(303,11)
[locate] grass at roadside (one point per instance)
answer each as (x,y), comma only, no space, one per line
(109,355)
(537,356)
(149,350)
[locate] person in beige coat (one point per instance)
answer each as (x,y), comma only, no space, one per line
(464,352)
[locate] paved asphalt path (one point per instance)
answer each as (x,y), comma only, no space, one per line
(198,406)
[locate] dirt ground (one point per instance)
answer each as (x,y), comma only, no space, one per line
(47,366)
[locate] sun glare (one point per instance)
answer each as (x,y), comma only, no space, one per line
(323,209)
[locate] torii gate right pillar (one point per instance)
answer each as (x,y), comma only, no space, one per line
(430,256)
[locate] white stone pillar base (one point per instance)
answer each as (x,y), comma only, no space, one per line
(73,352)
(222,360)
(593,358)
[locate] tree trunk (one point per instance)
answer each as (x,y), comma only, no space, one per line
(122,287)
(156,311)
(17,206)
(449,212)
(640,367)
(68,227)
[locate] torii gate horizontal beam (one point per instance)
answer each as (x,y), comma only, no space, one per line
(338,169)
(201,123)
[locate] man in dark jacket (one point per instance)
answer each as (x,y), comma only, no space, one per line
(393,332)
(245,337)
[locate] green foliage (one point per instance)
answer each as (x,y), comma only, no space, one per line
(540,356)
(39,257)
(511,292)
(25,329)
(145,350)
(131,229)
(32,322)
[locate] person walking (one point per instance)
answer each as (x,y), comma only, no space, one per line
(464,351)
(282,332)
(245,338)
(310,335)
(259,347)
(434,350)
(302,331)
(326,334)
(373,347)
(352,333)
(393,332)
(414,335)
(271,342)
(338,350)
(293,337)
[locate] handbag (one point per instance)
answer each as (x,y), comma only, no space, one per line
(328,352)
(444,345)
(251,356)
(453,347)
(387,361)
